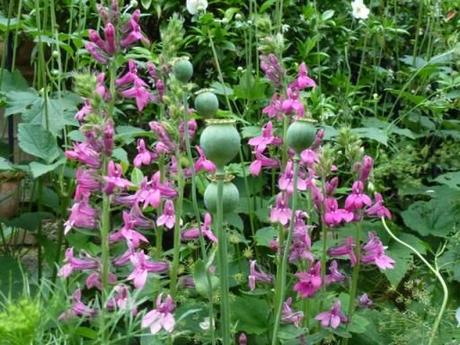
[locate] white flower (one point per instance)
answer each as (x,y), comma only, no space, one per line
(206,324)
(195,6)
(360,11)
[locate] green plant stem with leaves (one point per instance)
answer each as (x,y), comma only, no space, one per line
(281,286)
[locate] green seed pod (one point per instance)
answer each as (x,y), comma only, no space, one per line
(206,104)
(230,197)
(183,70)
(301,134)
(220,141)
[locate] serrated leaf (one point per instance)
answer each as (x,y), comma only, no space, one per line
(37,141)
(38,169)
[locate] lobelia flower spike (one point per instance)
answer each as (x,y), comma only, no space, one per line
(161,317)
(290,316)
(71,263)
(257,275)
(333,317)
(272,69)
(374,253)
(309,282)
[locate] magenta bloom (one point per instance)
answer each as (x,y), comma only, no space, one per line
(275,108)
(94,280)
(142,266)
(85,110)
(139,93)
(144,156)
(309,157)
(286,180)
(82,215)
(374,253)
(132,30)
(281,213)
(194,233)
(168,218)
(334,275)
(301,242)
(303,81)
(366,168)
(262,161)
(130,76)
(85,154)
(357,199)
(97,53)
(332,185)
(161,317)
(346,249)
(290,316)
(261,142)
(364,301)
(293,104)
(257,275)
(203,163)
(87,182)
(121,300)
(309,282)
(163,137)
(334,215)
(378,209)
(132,237)
(114,179)
(151,192)
(71,263)
(272,69)
(78,308)
(333,317)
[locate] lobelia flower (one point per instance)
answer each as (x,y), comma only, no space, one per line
(309,157)
(334,215)
(194,233)
(142,266)
(374,253)
(71,263)
(85,110)
(272,69)
(124,258)
(346,249)
(85,154)
(286,180)
(289,316)
(144,156)
(195,6)
(163,136)
(87,182)
(281,213)
(364,301)
(256,275)
(360,10)
(94,280)
(357,199)
(150,192)
(108,133)
(101,90)
(161,317)
(378,209)
(97,53)
(168,218)
(334,275)
(261,142)
(317,196)
(82,215)
(275,108)
(203,163)
(301,242)
(309,282)
(121,300)
(333,317)
(242,339)
(303,81)
(132,30)
(262,161)
(292,104)
(113,179)
(192,127)
(132,237)
(78,308)
(139,93)
(109,33)
(366,168)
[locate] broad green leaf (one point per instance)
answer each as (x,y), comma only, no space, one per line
(251,314)
(11,278)
(38,169)
(5,164)
(37,141)
(28,220)
(265,235)
(451,179)
(13,81)
(372,133)
(250,88)
(146,4)
(121,155)
(136,176)
(200,279)
(221,89)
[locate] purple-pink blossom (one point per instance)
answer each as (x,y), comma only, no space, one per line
(261,162)
(309,282)
(303,81)
(144,156)
(364,301)
(272,69)
(378,209)
(161,317)
(261,142)
(71,263)
(275,108)
(334,275)
(82,215)
(85,154)
(78,308)
(289,315)
(194,233)
(142,266)
(168,217)
(203,163)
(113,179)
(286,180)
(333,215)
(374,253)
(281,213)
(257,275)
(357,200)
(345,249)
(333,317)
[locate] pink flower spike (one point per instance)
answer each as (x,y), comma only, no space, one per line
(161,317)
(309,282)
(114,180)
(203,163)
(168,218)
(303,80)
(257,275)
(332,318)
(346,249)
(281,213)
(374,253)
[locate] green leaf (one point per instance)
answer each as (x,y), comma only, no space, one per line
(251,314)
(13,81)
(372,133)
(8,23)
(28,220)
(200,279)
(250,88)
(121,155)
(265,235)
(5,164)
(327,15)
(146,4)
(11,278)
(451,179)
(38,169)
(37,141)
(137,176)
(221,89)
(127,134)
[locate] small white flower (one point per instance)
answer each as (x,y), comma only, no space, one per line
(195,6)
(360,11)
(206,324)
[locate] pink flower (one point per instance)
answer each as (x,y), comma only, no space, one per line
(94,280)
(132,30)
(286,180)
(378,209)
(289,316)
(301,242)
(366,168)
(139,93)
(161,317)
(261,162)
(142,266)
(332,185)
(243,339)
(87,182)
(292,104)
(270,65)
(309,282)
(85,110)
(163,137)
(334,275)
(97,53)
(309,157)
(78,308)
(357,199)
(85,154)
(203,163)
(121,300)
(101,90)
(114,179)
(332,318)
(194,233)
(144,156)
(346,249)
(168,218)
(192,127)
(275,108)
(267,138)
(82,215)
(257,275)
(333,215)
(132,237)
(374,253)
(150,192)
(281,213)
(303,81)
(109,33)
(364,301)
(72,263)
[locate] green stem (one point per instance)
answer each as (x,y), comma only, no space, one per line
(438,275)
(223,264)
(284,262)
